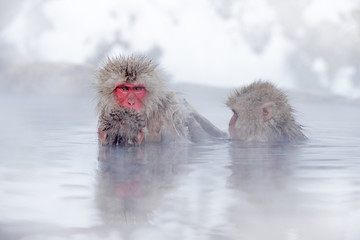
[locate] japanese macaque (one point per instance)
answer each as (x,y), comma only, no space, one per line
(262,114)
(135,106)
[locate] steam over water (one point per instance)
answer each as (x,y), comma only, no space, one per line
(56,182)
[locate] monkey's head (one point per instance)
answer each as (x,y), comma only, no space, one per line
(132,82)
(130,90)
(262,114)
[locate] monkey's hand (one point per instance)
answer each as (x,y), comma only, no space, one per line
(122,126)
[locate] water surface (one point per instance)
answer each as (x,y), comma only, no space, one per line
(56,182)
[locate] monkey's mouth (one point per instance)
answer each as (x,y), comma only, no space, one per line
(233,118)
(233,121)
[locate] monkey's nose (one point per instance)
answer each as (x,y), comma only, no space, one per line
(131,100)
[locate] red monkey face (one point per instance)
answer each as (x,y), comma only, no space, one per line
(130,96)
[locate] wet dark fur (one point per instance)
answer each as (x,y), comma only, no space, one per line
(122,126)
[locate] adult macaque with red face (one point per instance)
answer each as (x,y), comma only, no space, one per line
(134,105)
(262,114)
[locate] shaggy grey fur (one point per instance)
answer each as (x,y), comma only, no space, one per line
(122,126)
(167,116)
(250,125)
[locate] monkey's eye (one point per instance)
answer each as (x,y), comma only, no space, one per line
(125,88)
(138,88)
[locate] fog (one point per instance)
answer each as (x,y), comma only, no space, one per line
(309,44)
(57,182)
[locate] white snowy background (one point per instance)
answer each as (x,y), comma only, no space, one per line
(55,45)
(49,146)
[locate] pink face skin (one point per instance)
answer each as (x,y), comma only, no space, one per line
(131,96)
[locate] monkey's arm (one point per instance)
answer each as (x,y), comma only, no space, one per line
(122,126)
(207,126)
(177,121)
(199,127)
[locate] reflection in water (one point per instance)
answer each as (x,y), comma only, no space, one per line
(56,183)
(281,198)
(257,169)
(132,181)
(263,178)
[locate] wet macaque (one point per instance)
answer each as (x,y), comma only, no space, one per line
(262,114)
(134,106)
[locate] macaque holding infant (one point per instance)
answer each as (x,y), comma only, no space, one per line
(134,106)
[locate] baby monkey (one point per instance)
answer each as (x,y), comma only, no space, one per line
(262,114)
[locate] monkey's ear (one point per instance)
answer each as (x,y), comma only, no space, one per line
(267,110)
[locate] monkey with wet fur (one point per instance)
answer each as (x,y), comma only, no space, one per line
(262,114)
(134,105)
